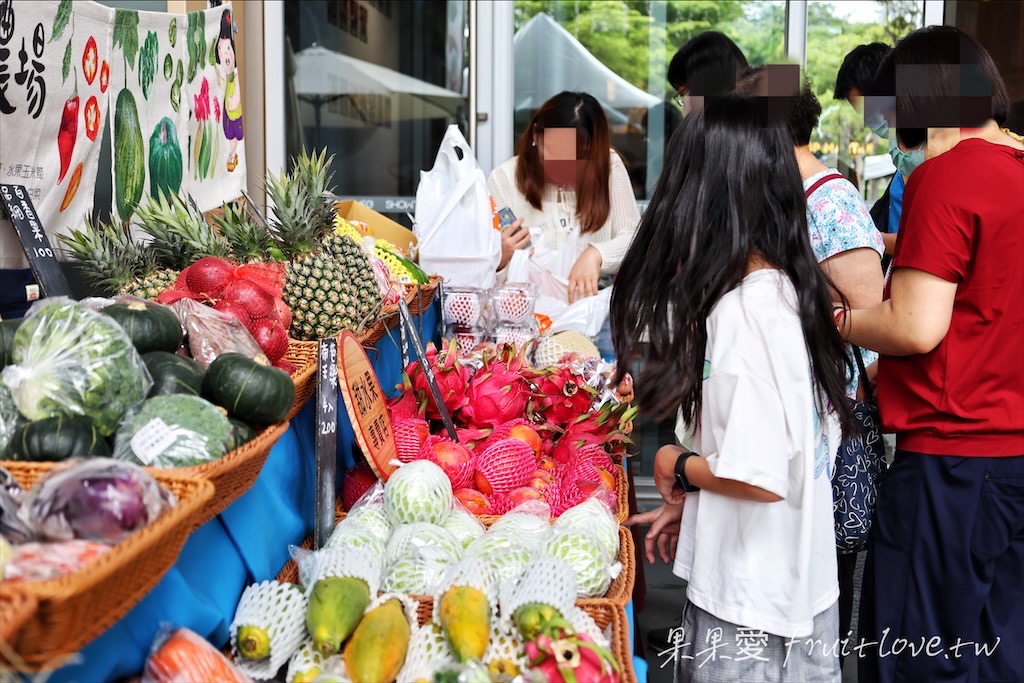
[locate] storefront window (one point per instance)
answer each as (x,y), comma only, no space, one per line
(619,52)
(841,140)
(376,83)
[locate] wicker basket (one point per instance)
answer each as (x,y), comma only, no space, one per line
(303,354)
(16,607)
(421,297)
(235,473)
(605,615)
(73,610)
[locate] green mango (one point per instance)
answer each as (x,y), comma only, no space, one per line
(129,156)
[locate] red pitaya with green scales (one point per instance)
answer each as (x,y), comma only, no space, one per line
(472,438)
(563,395)
(500,390)
(452,379)
(606,427)
(503,466)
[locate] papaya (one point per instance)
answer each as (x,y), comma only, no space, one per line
(307,676)
(129,156)
(376,651)
(465,615)
(336,605)
(253,642)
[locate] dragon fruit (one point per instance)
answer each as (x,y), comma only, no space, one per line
(451,457)
(500,390)
(503,466)
(452,379)
(563,395)
(410,435)
(605,427)
(572,658)
(472,438)
(404,406)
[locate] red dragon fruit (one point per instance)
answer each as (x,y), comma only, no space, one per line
(405,406)
(503,466)
(500,391)
(410,435)
(569,658)
(472,438)
(595,454)
(452,378)
(450,456)
(563,395)
(605,427)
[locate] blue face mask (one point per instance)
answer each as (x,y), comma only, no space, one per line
(905,162)
(880,127)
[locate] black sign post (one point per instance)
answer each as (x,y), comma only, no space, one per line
(326,439)
(435,391)
(41,256)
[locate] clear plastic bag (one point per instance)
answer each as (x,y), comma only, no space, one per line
(180,655)
(10,418)
(211,333)
(99,499)
(12,526)
(45,561)
(174,431)
(70,360)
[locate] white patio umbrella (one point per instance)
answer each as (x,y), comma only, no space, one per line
(324,75)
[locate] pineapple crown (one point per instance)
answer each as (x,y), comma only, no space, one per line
(179,232)
(107,254)
(249,240)
(303,209)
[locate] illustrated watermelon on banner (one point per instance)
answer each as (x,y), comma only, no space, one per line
(54,81)
(148,119)
(216,132)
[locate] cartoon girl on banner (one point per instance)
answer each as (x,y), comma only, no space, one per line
(228,79)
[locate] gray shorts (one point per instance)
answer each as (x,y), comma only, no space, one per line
(710,650)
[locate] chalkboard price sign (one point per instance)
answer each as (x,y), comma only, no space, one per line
(41,256)
(326,438)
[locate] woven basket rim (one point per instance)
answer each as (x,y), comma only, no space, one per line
(190,492)
(264,441)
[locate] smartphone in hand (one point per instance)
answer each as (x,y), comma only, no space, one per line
(507,218)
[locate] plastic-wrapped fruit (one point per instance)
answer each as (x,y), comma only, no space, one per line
(355,535)
(418,573)
(514,303)
(462,306)
(491,543)
(418,491)
(523,525)
(374,518)
(593,516)
(582,551)
(408,537)
(509,562)
(464,527)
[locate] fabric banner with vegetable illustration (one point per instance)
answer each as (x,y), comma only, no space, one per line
(54,85)
(216,134)
(148,120)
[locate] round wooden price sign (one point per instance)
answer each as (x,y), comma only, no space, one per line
(365,405)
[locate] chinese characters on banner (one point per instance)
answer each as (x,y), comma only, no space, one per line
(169,83)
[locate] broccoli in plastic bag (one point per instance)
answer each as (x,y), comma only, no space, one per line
(174,431)
(69,360)
(10,418)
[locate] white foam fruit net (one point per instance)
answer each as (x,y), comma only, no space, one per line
(529,530)
(594,516)
(428,654)
(353,534)
(407,537)
(473,572)
(547,581)
(418,572)
(357,563)
(581,550)
(306,658)
(464,526)
(373,517)
(505,651)
(280,610)
(583,623)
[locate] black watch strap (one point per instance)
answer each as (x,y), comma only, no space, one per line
(681,479)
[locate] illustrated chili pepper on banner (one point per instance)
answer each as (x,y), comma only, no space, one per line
(67,133)
(90,61)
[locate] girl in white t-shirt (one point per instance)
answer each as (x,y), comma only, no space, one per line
(722,277)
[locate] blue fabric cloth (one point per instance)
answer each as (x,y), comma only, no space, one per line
(639,663)
(896,201)
(246,543)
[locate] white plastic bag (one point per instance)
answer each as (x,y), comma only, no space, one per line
(455,224)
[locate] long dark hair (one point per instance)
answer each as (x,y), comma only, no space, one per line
(731,190)
(570,110)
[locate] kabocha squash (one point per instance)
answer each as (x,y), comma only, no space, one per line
(151,327)
(173,374)
(241,433)
(57,438)
(7,330)
(248,389)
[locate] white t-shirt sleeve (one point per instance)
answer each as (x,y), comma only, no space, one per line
(749,427)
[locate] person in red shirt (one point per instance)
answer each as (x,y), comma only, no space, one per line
(943,595)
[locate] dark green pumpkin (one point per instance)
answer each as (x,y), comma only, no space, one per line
(151,327)
(57,438)
(7,330)
(241,432)
(249,390)
(173,374)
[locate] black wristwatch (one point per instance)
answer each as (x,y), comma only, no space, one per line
(681,479)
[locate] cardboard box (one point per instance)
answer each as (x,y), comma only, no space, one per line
(380,226)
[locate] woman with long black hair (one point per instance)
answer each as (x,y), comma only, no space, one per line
(722,277)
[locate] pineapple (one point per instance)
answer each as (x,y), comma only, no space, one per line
(249,241)
(179,231)
(111,259)
(329,283)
